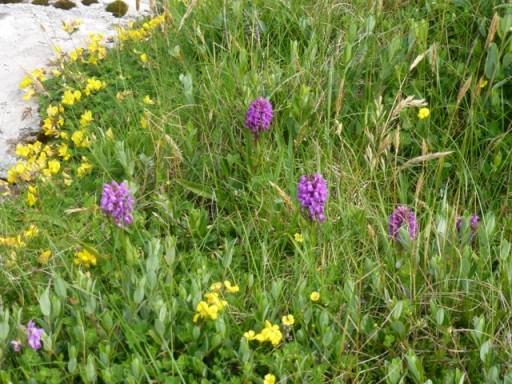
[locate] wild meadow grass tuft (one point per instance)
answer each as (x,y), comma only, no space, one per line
(268,192)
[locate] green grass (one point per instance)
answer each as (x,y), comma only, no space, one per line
(213,204)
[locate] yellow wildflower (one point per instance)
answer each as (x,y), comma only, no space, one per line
(23,150)
(44,257)
(76,54)
(231,288)
(288,320)
(93,85)
(144,123)
(250,335)
(109,134)
(216,287)
(269,379)
(148,100)
(54,166)
(84,168)
(144,58)
(31,196)
(52,110)
(38,74)
(25,82)
(29,94)
(270,333)
(63,151)
(31,231)
(80,139)
(315,296)
(70,97)
(85,258)
(299,238)
(71,26)
(423,113)
(205,311)
(86,119)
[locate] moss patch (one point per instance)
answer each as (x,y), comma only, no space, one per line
(10,1)
(89,2)
(118,8)
(40,2)
(64,4)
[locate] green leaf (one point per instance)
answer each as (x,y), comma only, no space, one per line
(44,302)
(196,188)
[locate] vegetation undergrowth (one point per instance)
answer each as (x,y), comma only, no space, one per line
(221,275)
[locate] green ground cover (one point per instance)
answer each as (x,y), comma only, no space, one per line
(165,111)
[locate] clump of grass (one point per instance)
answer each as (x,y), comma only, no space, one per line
(64,4)
(118,8)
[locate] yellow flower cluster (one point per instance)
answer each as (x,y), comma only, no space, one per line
(37,160)
(270,333)
(30,81)
(44,257)
(142,33)
(71,26)
(209,308)
(85,258)
(19,241)
(269,379)
(96,49)
(76,54)
(70,97)
(93,85)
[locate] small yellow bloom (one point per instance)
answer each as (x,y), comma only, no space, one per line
(71,26)
(54,166)
(94,85)
(31,196)
(84,168)
(250,335)
(144,58)
(315,296)
(29,94)
(44,257)
(144,121)
(148,100)
(56,73)
(80,139)
(63,151)
(25,82)
(86,119)
(23,150)
(38,74)
(423,113)
(288,320)
(269,379)
(85,258)
(76,54)
(482,83)
(31,231)
(70,97)
(299,238)
(216,287)
(231,288)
